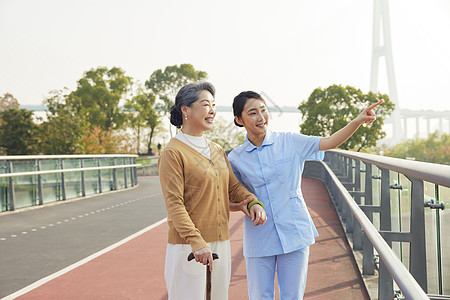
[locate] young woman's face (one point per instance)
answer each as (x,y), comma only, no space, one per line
(200,115)
(254,117)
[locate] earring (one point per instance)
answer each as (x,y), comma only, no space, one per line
(185,117)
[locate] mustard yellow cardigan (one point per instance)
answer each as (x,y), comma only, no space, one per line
(196,191)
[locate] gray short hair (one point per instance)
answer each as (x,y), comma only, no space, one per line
(187,95)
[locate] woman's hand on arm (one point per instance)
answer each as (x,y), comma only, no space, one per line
(258,215)
(367,116)
(204,256)
(242,206)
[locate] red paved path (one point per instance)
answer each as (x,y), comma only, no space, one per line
(135,270)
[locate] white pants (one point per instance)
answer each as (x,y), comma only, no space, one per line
(187,280)
(291,269)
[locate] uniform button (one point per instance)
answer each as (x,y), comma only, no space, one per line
(219,212)
(220,224)
(220,235)
(217,187)
(210,162)
(218,199)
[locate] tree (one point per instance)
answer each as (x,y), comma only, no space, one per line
(18,133)
(165,84)
(8,101)
(98,96)
(226,134)
(328,110)
(64,129)
(435,149)
(143,114)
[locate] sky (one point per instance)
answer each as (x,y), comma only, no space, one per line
(285,48)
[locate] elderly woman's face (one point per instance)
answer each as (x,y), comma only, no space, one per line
(200,115)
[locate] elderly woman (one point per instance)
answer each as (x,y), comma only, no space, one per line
(197,183)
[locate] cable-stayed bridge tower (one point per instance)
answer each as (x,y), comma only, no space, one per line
(382,47)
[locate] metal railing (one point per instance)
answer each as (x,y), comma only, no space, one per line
(386,206)
(35,180)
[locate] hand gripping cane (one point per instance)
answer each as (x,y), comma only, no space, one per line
(208,275)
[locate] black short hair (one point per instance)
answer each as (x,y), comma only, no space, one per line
(187,95)
(240,101)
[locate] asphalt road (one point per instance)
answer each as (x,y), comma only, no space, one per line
(35,243)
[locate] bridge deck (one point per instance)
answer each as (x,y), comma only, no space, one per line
(134,269)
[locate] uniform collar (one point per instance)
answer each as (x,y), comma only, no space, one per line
(268,140)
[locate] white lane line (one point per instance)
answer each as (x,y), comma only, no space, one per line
(81,216)
(81,262)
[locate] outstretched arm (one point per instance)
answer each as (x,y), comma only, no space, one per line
(340,136)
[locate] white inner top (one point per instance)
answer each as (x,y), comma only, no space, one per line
(195,142)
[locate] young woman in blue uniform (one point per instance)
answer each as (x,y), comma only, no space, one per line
(270,165)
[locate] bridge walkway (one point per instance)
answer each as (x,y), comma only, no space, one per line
(133,267)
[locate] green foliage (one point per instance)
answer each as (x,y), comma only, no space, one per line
(98,96)
(64,129)
(18,132)
(435,149)
(143,114)
(226,134)
(165,84)
(328,110)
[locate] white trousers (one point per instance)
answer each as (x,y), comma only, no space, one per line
(187,280)
(291,269)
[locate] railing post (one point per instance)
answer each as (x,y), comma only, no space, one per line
(385,284)
(63,179)
(40,189)
(134,170)
(125,170)
(83,181)
(115,174)
(417,263)
(385,213)
(368,254)
(133,179)
(357,231)
(99,176)
(11,202)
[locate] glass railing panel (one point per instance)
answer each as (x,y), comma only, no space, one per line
(395,202)
(51,183)
(120,174)
(376,186)
(107,175)
(72,179)
(363,180)
(376,220)
(444,197)
(91,177)
(431,241)
(405,203)
(25,187)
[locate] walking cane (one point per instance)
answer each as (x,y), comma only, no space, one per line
(208,275)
